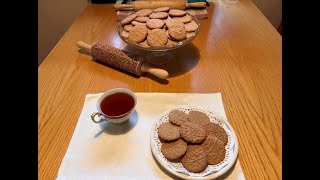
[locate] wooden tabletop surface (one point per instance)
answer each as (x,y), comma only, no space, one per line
(237,52)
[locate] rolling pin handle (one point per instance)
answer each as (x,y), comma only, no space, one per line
(119,7)
(196,5)
(160,73)
(84,45)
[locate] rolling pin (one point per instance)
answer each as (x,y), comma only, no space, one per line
(138,5)
(121,59)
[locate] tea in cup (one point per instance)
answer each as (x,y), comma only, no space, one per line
(115,105)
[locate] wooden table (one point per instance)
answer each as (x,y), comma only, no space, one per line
(237,53)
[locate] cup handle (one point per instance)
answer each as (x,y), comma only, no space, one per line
(93,117)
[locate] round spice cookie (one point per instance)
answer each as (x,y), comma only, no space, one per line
(177,12)
(155,23)
(191,26)
(128,27)
(217,131)
(177,33)
(171,43)
(178,117)
(144,44)
(174,150)
(174,23)
(190,34)
(158,15)
(136,23)
(125,34)
(162,9)
(157,37)
(199,117)
(165,20)
(192,132)
(144,12)
(142,19)
(168,131)
(195,159)
(185,19)
(138,33)
(215,150)
(128,19)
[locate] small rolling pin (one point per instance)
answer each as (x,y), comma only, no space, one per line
(121,59)
(138,5)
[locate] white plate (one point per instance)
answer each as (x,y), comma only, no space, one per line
(176,168)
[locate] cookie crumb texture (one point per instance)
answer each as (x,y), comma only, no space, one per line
(138,33)
(192,132)
(199,118)
(178,117)
(195,159)
(168,131)
(217,131)
(215,150)
(157,37)
(180,29)
(174,150)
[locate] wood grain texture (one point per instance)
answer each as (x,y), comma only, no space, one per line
(237,53)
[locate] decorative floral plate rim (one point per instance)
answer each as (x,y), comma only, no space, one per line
(176,168)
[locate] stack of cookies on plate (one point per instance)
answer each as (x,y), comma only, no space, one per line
(159,27)
(193,139)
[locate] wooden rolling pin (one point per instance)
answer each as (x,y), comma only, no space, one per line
(121,59)
(138,5)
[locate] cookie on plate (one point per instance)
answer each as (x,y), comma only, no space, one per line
(128,19)
(215,150)
(177,117)
(218,131)
(191,26)
(157,37)
(192,132)
(155,23)
(177,33)
(158,15)
(168,131)
(171,43)
(177,12)
(195,159)
(185,19)
(144,12)
(136,23)
(138,33)
(162,9)
(128,27)
(142,19)
(174,150)
(190,34)
(198,117)
(170,23)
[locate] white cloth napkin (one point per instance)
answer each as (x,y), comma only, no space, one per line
(108,151)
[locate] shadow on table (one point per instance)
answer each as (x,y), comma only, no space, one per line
(185,59)
(117,129)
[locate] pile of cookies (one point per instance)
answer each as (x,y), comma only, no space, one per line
(159,27)
(192,139)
